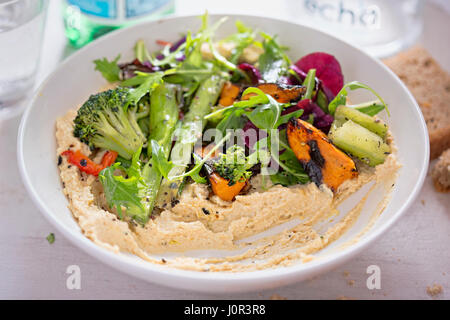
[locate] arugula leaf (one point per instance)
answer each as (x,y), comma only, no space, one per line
(293,171)
(195,173)
(370,108)
(288,161)
(266,116)
(286,179)
(193,51)
(242,39)
(221,60)
(190,77)
(232,115)
(148,82)
(124,163)
(129,193)
(189,73)
(204,35)
(273,62)
(233,121)
(109,69)
(121,192)
(341,97)
(51,238)
(258,98)
(159,159)
(135,168)
(285,118)
(289,158)
(194,69)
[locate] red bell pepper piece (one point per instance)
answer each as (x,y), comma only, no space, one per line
(109,158)
(85,164)
(163,43)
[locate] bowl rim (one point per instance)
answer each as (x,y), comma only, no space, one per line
(205,280)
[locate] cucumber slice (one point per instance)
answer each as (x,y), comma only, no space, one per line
(336,124)
(375,125)
(360,142)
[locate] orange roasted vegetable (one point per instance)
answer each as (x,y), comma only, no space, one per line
(280,92)
(322,161)
(222,189)
(220,186)
(230,93)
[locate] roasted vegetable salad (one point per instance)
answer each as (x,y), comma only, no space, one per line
(220,112)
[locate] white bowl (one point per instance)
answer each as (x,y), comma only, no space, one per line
(75,79)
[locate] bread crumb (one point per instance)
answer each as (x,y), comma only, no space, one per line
(422,201)
(346,273)
(425,104)
(307,258)
(434,290)
(277,297)
(345,298)
(351,282)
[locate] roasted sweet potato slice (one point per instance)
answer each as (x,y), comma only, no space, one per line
(229,94)
(220,185)
(222,189)
(322,161)
(280,92)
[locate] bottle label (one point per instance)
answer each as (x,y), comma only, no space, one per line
(101,9)
(135,8)
(114,9)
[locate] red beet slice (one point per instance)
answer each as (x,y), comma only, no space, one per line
(328,69)
(252,71)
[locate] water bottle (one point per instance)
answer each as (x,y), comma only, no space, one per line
(381,27)
(86,20)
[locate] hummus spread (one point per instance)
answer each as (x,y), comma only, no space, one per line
(238,235)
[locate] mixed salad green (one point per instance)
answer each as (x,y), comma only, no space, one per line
(153,121)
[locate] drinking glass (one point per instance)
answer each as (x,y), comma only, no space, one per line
(21,29)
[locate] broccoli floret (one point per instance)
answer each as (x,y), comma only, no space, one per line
(106,120)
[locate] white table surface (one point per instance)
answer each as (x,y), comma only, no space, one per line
(413,255)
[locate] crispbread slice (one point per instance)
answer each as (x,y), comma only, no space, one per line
(430,85)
